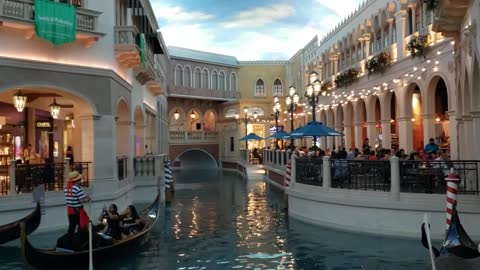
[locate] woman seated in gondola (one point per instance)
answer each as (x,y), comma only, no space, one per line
(111,220)
(130,222)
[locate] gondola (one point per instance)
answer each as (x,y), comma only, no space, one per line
(457,249)
(56,259)
(11,231)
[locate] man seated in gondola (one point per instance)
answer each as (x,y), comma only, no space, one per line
(111,221)
(130,222)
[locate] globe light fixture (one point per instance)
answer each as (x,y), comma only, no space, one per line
(19,101)
(176,115)
(54,109)
(192,115)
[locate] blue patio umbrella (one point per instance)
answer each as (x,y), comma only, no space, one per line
(315,129)
(251,136)
(279,135)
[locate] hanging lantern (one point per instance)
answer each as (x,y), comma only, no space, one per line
(54,109)
(192,115)
(176,114)
(19,101)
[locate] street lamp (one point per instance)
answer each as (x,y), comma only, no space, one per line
(292,101)
(246,121)
(276,114)
(313,96)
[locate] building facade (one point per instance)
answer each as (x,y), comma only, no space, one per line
(100,94)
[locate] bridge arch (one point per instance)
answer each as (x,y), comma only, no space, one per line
(196,158)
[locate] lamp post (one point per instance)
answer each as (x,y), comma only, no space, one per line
(276,114)
(313,96)
(292,101)
(245,120)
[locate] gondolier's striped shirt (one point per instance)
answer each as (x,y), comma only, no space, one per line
(73,198)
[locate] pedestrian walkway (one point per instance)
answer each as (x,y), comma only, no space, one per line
(255,172)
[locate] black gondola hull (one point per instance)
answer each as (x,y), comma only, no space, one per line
(11,231)
(52,259)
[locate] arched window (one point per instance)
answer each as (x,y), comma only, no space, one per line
(187,75)
(214,80)
(233,82)
(354,56)
(277,88)
(394,33)
(221,80)
(386,42)
(178,76)
(359,52)
(197,78)
(410,21)
(205,79)
(260,88)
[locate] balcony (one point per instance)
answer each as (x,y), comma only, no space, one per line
(19,14)
(201,93)
(449,16)
(193,137)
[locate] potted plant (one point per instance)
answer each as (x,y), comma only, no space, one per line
(346,78)
(417,45)
(378,63)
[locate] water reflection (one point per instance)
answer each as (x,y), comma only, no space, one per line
(220,221)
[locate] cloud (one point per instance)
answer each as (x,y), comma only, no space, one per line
(260,16)
(342,8)
(176,14)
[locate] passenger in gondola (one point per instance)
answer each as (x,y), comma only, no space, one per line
(111,220)
(130,223)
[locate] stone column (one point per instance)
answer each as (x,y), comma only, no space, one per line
(348,136)
(338,139)
(401,20)
(372,134)
(367,45)
(405,133)
(358,136)
(453,130)
(395,178)
(387,134)
(428,127)
(31,127)
(99,147)
(327,173)
(468,131)
(476,132)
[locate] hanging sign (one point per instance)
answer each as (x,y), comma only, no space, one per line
(43,124)
(55,22)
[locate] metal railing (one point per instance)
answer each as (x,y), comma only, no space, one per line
(122,167)
(23,10)
(144,166)
(361,174)
(429,176)
(309,171)
(187,137)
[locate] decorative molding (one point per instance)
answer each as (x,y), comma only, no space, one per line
(261,62)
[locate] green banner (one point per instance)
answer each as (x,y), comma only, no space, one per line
(142,49)
(55,22)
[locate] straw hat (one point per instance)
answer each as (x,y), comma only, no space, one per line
(74,176)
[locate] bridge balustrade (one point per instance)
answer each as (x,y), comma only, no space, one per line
(193,137)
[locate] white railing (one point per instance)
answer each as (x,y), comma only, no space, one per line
(200,92)
(23,10)
(187,137)
(276,157)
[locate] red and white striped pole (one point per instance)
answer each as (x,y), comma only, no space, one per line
(288,174)
(452,187)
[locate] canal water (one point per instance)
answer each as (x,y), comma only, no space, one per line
(220,221)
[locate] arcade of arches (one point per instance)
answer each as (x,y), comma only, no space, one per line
(404,118)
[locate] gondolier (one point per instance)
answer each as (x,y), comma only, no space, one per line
(75,197)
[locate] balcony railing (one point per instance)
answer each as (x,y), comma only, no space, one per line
(22,10)
(196,137)
(144,166)
(205,93)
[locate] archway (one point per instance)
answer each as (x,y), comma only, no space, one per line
(209,122)
(339,141)
(390,124)
(139,140)
(174,123)
(123,128)
(196,158)
(195,121)
(437,109)
(349,127)
(413,109)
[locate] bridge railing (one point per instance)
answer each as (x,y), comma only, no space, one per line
(187,137)
(276,157)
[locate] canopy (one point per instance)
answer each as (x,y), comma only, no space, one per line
(251,136)
(279,135)
(316,129)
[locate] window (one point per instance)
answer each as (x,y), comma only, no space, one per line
(221,80)
(410,22)
(232,144)
(187,75)
(260,88)
(197,78)
(394,33)
(178,76)
(354,57)
(77,3)
(359,52)
(277,88)
(233,82)
(385,37)
(214,80)
(205,79)
(418,18)
(428,17)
